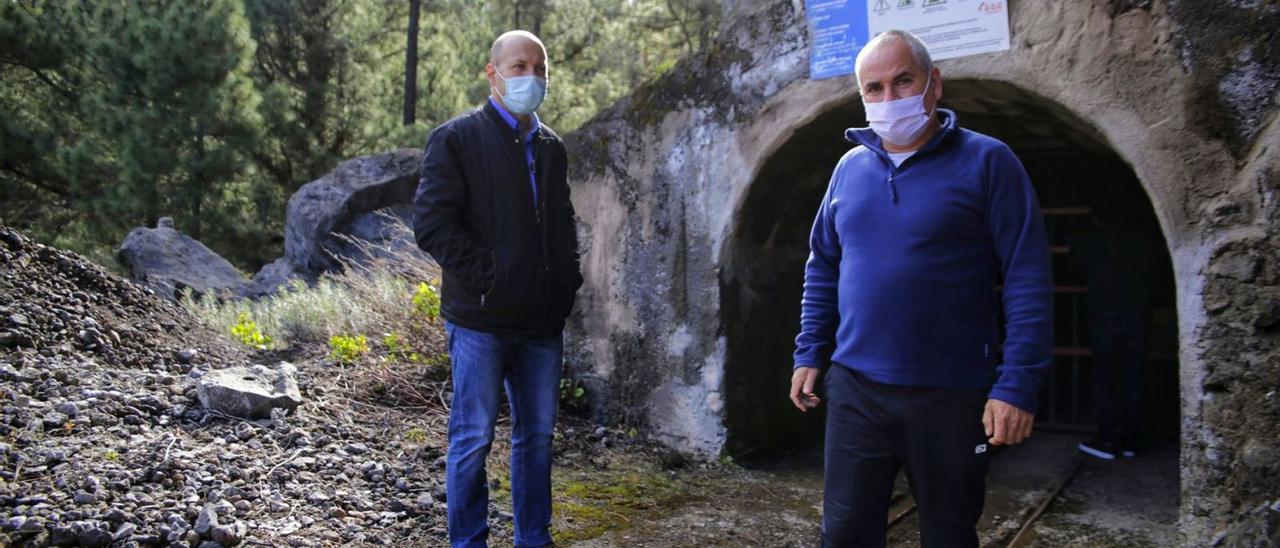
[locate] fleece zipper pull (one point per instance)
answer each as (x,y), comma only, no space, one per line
(893,190)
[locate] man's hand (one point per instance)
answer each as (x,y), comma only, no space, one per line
(1006,424)
(802,382)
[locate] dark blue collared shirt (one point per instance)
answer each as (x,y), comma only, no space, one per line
(528,141)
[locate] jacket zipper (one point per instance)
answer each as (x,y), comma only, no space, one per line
(538,204)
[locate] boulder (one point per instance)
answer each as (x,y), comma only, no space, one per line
(168,261)
(386,233)
(273,276)
(364,198)
(249,392)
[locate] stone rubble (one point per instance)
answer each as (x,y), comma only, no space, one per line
(104,441)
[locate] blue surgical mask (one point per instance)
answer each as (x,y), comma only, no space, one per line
(524,93)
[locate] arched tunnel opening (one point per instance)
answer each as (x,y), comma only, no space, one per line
(1081,183)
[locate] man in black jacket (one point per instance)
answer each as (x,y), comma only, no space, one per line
(493,209)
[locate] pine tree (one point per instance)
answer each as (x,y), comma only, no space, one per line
(176,105)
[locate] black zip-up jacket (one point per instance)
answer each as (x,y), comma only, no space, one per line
(510,266)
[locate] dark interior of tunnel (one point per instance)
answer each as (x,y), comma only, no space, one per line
(1077,178)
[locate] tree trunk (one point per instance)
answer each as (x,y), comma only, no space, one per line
(540,12)
(411,66)
(198,183)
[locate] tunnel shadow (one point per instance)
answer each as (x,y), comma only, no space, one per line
(1075,173)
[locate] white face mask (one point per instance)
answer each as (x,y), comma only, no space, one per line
(900,121)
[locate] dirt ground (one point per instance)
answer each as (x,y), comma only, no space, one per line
(1119,503)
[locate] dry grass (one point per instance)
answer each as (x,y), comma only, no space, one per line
(407,364)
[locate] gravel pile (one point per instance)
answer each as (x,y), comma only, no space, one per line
(103,442)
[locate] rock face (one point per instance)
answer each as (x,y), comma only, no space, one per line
(168,261)
(361,198)
(670,186)
(249,392)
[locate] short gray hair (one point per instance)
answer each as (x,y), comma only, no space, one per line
(918,50)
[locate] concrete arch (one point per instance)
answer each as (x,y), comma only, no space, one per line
(761,260)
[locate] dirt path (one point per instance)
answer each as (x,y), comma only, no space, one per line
(1129,503)
(1126,502)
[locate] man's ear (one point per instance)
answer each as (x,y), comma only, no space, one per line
(491,74)
(937,87)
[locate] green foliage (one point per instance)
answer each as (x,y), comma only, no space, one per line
(121,113)
(347,349)
(213,112)
(416,435)
(398,349)
(393,343)
(297,313)
(608,500)
(110,455)
(601,50)
(440,360)
(248,333)
(426,302)
(573,396)
(376,299)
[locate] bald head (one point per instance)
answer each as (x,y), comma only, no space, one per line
(501,46)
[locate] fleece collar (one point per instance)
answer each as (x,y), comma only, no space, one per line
(868,138)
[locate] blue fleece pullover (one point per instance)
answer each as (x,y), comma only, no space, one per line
(901,281)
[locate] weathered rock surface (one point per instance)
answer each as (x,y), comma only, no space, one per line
(273,276)
(249,392)
(350,201)
(168,261)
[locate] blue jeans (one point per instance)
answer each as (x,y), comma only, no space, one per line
(529,367)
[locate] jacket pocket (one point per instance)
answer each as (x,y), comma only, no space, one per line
(493,280)
(506,299)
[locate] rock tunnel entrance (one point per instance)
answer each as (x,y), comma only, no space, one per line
(1078,179)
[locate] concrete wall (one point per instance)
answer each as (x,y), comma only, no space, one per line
(1184,92)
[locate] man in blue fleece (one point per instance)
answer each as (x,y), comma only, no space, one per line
(919,225)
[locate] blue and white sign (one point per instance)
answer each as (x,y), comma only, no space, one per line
(837,31)
(951,28)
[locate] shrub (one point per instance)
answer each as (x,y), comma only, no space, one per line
(573,397)
(426,302)
(384,296)
(248,333)
(346,350)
